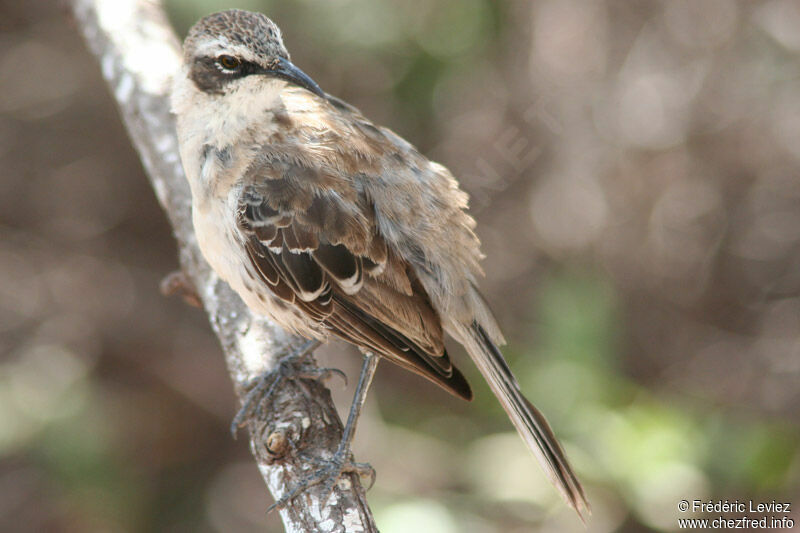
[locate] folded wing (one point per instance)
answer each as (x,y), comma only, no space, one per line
(318,248)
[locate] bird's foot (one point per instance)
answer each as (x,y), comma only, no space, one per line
(328,474)
(292,366)
(342,461)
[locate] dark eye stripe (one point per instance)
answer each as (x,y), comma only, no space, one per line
(210,76)
(243,68)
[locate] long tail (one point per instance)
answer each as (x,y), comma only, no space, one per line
(530,423)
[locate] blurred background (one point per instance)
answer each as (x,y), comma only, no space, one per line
(634,167)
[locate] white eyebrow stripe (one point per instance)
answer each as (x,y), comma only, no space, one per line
(211,46)
(221,45)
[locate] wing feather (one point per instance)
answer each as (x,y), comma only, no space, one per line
(359,291)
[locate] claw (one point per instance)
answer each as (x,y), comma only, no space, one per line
(367,470)
(262,391)
(325,374)
(263,387)
(328,475)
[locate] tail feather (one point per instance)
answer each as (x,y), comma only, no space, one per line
(530,423)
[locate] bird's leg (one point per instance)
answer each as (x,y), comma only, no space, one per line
(263,387)
(341,461)
(343,456)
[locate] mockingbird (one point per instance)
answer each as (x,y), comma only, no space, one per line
(331,225)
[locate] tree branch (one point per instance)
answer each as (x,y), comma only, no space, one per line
(138,53)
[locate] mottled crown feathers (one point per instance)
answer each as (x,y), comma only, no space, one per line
(253,31)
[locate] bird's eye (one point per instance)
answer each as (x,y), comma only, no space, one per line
(229,62)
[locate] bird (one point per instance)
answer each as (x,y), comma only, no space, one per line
(333,226)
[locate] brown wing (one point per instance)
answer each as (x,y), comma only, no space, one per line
(317,247)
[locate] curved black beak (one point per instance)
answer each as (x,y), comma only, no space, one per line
(285,69)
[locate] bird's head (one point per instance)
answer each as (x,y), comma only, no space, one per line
(228,50)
